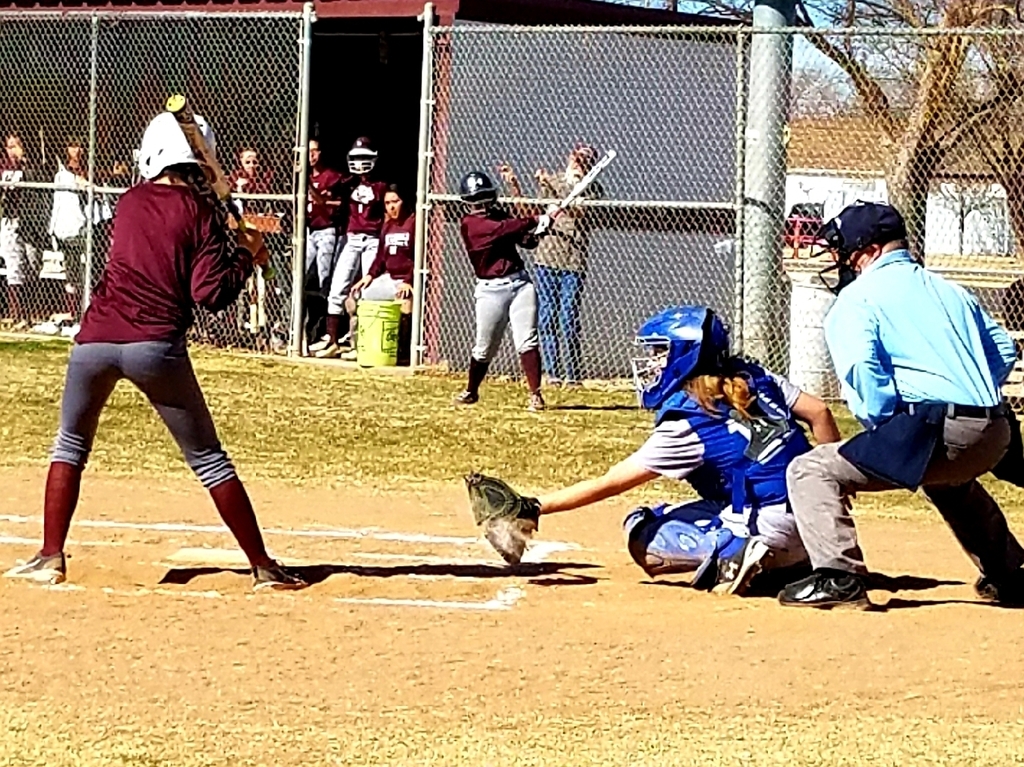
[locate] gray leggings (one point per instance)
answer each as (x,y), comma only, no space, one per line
(160,370)
(501,302)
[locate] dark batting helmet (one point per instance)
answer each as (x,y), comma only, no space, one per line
(476,186)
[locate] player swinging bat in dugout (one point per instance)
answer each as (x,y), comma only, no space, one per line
(723,424)
(171,250)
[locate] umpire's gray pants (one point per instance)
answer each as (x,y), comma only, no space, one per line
(503,301)
(820,481)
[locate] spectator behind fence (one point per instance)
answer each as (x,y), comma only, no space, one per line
(561,266)
(16,250)
(250,177)
(67,228)
(389,277)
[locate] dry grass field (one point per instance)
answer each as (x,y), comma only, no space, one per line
(416,645)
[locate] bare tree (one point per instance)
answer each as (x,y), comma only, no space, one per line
(935,97)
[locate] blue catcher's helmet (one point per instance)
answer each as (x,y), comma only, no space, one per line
(673,342)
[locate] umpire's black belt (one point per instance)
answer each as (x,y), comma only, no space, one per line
(956,411)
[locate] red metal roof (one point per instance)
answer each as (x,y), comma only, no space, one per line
(491,11)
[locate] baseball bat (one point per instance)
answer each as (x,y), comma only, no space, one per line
(583,184)
(178,106)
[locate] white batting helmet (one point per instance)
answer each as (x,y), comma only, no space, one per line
(361,157)
(164,145)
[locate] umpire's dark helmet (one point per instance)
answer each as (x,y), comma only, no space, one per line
(476,186)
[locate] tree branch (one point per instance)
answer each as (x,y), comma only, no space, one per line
(876,103)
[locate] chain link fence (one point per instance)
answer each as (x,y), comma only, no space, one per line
(925,119)
(78,91)
(654,230)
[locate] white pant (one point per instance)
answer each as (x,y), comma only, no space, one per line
(500,302)
(14,252)
(320,247)
(775,526)
(356,257)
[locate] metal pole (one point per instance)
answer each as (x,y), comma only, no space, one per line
(301,194)
(740,149)
(91,193)
(422,183)
(765,290)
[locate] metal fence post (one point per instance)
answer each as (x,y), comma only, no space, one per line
(422,182)
(301,194)
(765,187)
(91,193)
(738,199)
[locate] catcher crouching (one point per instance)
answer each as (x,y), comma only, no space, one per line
(724,425)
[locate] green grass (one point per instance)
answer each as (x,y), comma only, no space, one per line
(310,424)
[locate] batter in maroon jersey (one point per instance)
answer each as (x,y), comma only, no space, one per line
(171,251)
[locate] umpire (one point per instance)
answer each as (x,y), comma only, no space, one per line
(920,365)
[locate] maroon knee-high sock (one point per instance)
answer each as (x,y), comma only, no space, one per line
(477,373)
(530,361)
(63,483)
(404,340)
(333,326)
(236,510)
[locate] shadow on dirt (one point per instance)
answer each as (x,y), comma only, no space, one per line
(537,573)
(903,604)
(770,583)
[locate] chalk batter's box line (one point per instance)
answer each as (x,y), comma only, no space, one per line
(371,533)
(504,600)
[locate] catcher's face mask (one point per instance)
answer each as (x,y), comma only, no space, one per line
(841,273)
(648,365)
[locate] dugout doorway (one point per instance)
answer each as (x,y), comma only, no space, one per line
(365,81)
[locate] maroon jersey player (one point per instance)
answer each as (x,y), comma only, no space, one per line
(504,293)
(389,277)
(365,197)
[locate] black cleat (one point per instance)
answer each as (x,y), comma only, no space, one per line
(276,577)
(1008,591)
(826,589)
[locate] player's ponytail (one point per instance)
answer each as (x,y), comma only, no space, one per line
(194,177)
(711,390)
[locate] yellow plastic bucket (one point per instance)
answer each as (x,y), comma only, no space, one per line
(377,333)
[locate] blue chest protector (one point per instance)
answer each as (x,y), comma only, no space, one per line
(744,460)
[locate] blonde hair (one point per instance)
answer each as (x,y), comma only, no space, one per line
(709,390)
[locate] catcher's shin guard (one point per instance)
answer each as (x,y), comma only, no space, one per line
(668,544)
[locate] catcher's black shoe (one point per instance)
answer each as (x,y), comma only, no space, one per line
(826,589)
(1007,591)
(737,571)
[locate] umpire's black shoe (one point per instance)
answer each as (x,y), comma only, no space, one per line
(826,589)
(1008,592)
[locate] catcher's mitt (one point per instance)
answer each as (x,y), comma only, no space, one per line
(508,518)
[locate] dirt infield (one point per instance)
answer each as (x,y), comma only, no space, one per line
(416,646)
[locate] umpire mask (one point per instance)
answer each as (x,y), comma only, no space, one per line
(841,273)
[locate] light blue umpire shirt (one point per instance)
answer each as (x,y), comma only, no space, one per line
(900,333)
